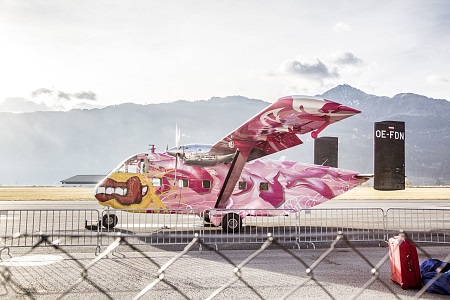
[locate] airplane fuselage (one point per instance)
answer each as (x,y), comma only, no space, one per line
(157,182)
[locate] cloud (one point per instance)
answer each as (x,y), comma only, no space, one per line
(341,27)
(39,92)
(345,58)
(312,73)
(311,69)
(52,99)
(21,105)
(63,95)
(437,80)
(87,95)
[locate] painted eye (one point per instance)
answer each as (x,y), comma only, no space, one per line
(144,190)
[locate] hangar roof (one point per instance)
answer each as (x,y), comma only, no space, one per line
(83,179)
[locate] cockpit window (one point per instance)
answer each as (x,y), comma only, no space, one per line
(131,165)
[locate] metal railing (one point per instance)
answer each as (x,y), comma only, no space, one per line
(166,227)
(358,224)
(280,222)
(69,225)
(422,225)
(89,227)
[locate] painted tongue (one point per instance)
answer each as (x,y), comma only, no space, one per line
(134,195)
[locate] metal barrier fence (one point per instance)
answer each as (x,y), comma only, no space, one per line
(422,225)
(280,222)
(358,224)
(89,227)
(69,225)
(170,227)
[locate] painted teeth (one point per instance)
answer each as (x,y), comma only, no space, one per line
(111,190)
(120,191)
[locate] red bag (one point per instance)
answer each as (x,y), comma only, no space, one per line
(405,268)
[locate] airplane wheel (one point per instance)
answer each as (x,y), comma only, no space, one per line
(109,220)
(207,219)
(232,223)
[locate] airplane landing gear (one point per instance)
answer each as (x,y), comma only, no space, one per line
(109,220)
(206,217)
(232,223)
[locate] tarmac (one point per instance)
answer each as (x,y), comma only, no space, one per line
(279,272)
(358,270)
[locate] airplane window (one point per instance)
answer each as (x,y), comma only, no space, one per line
(183,183)
(142,163)
(206,184)
(264,186)
(156,181)
(131,168)
(128,166)
(242,185)
(121,169)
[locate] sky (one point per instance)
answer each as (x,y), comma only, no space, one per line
(58,55)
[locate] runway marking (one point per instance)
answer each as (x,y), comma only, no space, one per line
(31,260)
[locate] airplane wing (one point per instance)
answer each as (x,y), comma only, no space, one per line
(275,129)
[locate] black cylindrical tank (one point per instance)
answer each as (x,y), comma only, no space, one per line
(326,151)
(389,158)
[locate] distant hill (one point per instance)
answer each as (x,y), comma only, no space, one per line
(45,147)
(427,140)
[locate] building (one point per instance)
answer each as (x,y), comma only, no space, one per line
(80,180)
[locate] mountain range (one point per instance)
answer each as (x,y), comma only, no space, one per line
(43,148)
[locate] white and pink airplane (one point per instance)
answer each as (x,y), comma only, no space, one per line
(231,174)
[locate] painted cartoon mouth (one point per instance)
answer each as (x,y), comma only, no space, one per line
(127,193)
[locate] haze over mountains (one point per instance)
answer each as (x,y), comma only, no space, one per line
(43,148)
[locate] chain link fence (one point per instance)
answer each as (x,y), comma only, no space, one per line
(315,253)
(123,270)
